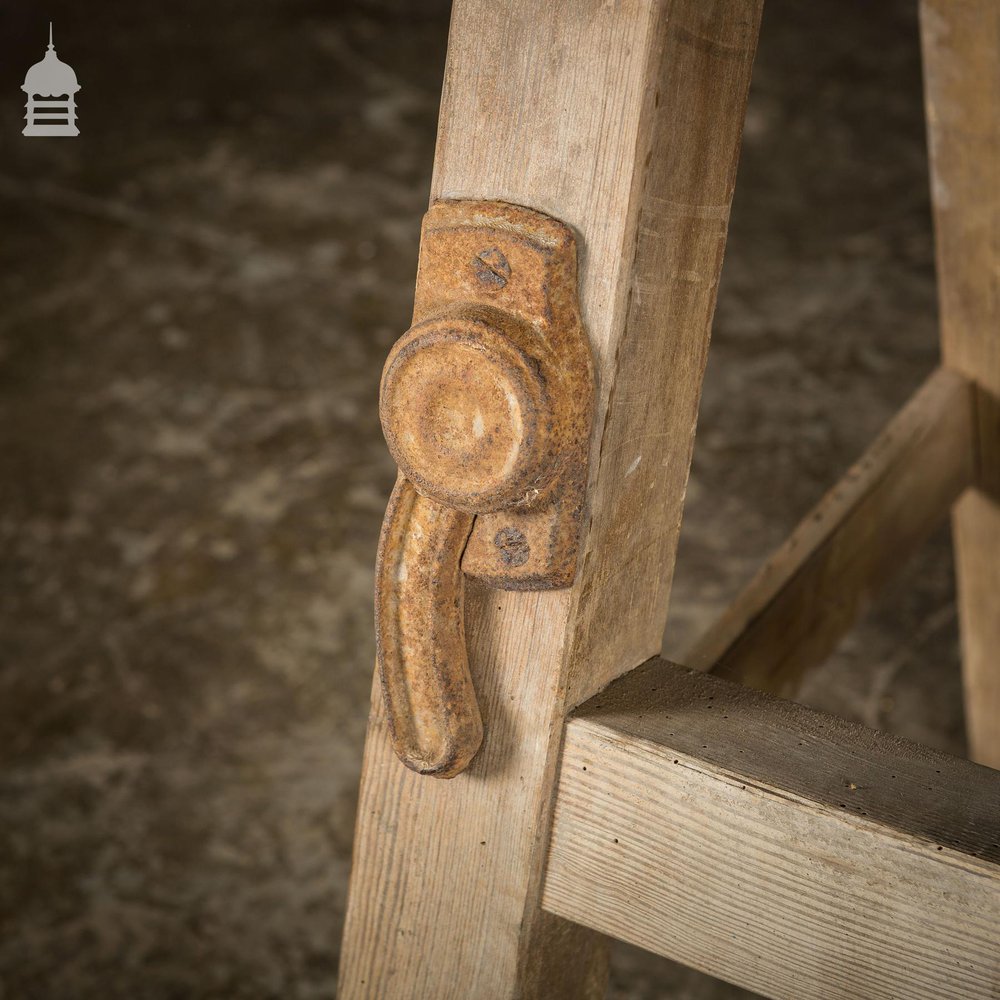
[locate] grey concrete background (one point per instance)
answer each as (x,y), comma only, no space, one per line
(197,297)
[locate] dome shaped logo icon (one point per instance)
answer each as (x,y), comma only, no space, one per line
(51,86)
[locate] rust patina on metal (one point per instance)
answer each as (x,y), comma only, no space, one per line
(486,404)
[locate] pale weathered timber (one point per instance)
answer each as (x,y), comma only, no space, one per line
(961,45)
(791,852)
(809,593)
(623,121)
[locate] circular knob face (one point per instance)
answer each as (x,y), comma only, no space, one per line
(465,412)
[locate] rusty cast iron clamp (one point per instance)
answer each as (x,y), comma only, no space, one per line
(486,404)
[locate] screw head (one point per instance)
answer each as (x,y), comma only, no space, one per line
(513,546)
(492,268)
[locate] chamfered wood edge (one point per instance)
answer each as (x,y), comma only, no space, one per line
(783,849)
(809,592)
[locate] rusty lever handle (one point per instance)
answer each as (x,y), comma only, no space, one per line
(420,634)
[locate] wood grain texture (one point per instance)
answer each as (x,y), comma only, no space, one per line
(809,593)
(643,456)
(791,852)
(961,46)
(622,120)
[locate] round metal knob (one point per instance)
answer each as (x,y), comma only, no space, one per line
(465,410)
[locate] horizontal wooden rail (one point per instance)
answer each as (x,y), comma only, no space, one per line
(808,594)
(787,851)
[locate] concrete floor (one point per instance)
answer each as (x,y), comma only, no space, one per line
(198,295)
